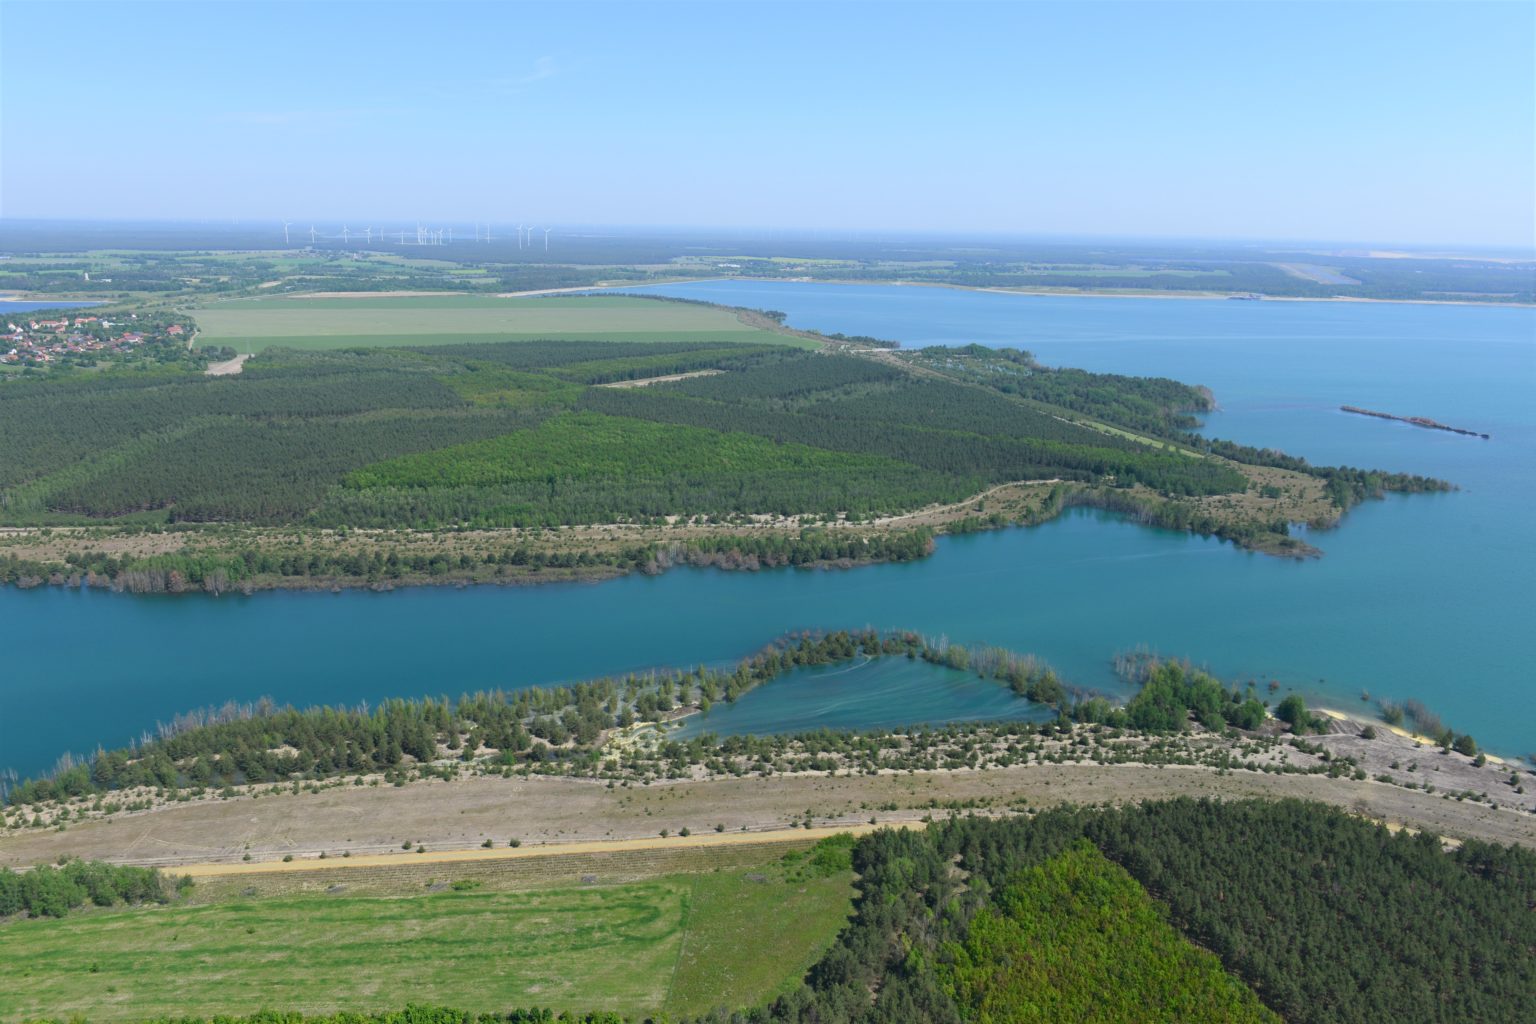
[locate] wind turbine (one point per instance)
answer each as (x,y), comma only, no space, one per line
(286,225)
(368,235)
(487,231)
(546,238)
(519,236)
(345,235)
(311,234)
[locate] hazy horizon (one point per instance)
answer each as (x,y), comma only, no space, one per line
(1400,125)
(788,233)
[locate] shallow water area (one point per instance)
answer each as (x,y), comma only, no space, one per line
(868,693)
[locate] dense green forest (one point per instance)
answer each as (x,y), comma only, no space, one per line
(515,435)
(1176,910)
(1154,406)
(1077,938)
(1328,918)
(534,434)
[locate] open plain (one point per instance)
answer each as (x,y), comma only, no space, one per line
(251,325)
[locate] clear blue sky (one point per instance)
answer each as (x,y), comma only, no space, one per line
(1407,123)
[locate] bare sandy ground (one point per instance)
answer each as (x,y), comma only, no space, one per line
(555,291)
(461,815)
(645,382)
(400,294)
(228,367)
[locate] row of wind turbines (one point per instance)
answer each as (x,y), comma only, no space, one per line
(422,236)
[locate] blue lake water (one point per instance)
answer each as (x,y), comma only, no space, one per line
(27,306)
(864,694)
(1427,596)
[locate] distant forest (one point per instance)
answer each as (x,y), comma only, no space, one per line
(514,435)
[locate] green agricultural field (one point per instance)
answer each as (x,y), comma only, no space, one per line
(678,944)
(256,324)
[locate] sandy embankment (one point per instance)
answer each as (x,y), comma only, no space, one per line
(542,811)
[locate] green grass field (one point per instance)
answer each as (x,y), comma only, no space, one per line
(678,944)
(255,324)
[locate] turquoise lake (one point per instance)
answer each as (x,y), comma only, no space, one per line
(867,693)
(1427,596)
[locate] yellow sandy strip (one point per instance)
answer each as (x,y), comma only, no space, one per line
(1398,730)
(646,382)
(400,294)
(404,858)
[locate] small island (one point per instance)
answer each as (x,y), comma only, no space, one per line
(1417,421)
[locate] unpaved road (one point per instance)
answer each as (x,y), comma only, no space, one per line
(404,858)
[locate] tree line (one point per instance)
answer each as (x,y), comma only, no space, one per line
(564,727)
(49,891)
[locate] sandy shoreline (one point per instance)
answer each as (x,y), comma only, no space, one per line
(1059,293)
(1107,294)
(639,288)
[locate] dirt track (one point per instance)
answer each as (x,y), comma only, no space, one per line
(403,858)
(645,382)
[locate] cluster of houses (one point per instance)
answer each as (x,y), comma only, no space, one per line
(40,342)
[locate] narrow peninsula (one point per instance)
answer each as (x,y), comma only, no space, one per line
(1417,421)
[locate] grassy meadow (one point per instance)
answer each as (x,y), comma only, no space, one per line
(252,325)
(677,944)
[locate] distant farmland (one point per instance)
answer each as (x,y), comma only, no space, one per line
(256,324)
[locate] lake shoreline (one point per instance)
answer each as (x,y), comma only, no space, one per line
(62,555)
(1296,551)
(1078,293)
